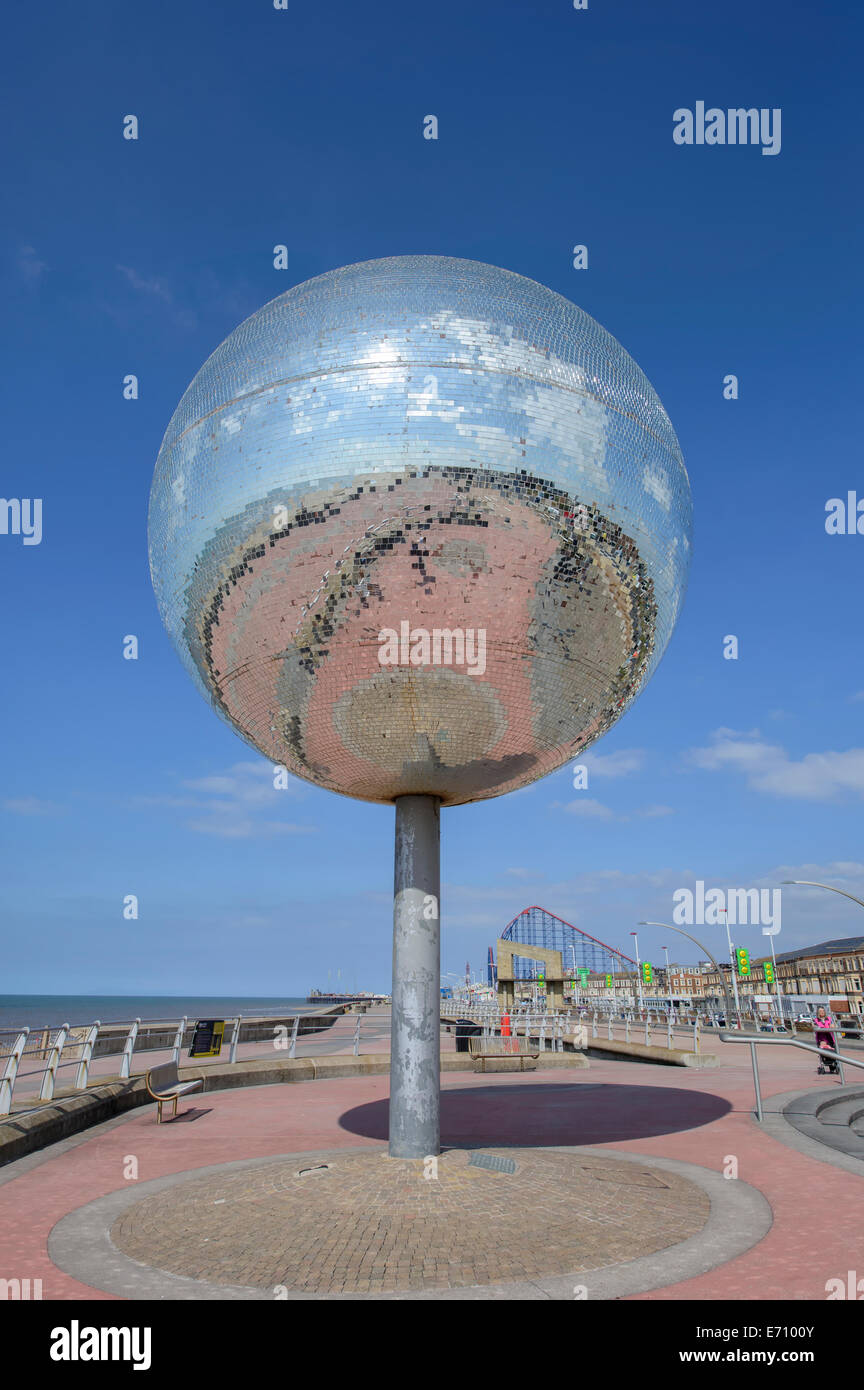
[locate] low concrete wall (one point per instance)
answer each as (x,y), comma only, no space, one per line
(638,1052)
(73,1111)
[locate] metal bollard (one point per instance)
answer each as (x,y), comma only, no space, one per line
(128,1049)
(235,1040)
(178,1040)
(7,1082)
(46,1090)
(86,1054)
(292,1048)
(756,1081)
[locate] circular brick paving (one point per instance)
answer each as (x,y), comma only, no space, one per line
(368,1223)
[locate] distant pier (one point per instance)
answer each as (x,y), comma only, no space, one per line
(317,997)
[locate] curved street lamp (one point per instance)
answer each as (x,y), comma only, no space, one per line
(667,927)
(638,968)
(810,883)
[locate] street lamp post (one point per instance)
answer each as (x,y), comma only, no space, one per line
(732,967)
(811,883)
(665,950)
(668,927)
(771,932)
(638,969)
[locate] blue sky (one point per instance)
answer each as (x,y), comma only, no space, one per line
(304,127)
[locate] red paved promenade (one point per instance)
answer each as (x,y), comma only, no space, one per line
(699,1117)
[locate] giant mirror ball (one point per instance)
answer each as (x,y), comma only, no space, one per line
(420,526)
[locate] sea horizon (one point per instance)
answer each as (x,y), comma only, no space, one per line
(41,1010)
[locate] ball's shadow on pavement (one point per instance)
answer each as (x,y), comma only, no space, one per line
(547,1114)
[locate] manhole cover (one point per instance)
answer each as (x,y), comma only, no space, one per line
(498,1165)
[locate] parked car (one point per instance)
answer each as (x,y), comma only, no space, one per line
(848,1027)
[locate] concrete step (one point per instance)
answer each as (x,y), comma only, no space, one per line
(844,1113)
(844,1108)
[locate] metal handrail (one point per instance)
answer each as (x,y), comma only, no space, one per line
(753,1038)
(53,1047)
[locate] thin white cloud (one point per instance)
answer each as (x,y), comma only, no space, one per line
(620,764)
(589,808)
(488,921)
(251,783)
(30,267)
(237,804)
(224,822)
(607,903)
(152,286)
(30,806)
(769,768)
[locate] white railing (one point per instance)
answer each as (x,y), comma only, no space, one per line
(555,1025)
(32,1062)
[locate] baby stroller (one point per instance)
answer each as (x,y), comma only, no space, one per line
(825,1039)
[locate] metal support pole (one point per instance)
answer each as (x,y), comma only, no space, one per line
(178,1040)
(128,1049)
(7,1083)
(415,1056)
(46,1090)
(235,1039)
(756,1081)
(87,1046)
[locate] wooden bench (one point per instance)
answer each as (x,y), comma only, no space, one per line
(164,1083)
(507,1054)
